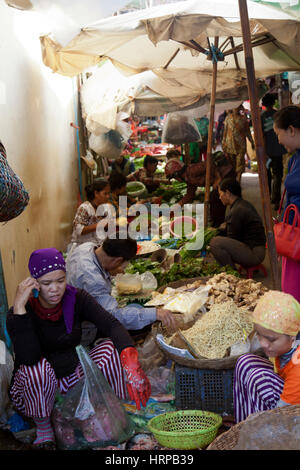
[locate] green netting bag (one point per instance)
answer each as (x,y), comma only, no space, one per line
(90,414)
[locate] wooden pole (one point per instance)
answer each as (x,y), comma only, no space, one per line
(259,143)
(187,159)
(210,137)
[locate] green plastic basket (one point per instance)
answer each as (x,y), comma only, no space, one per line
(188,429)
(136,188)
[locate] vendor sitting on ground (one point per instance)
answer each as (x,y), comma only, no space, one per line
(173,153)
(45,331)
(123,165)
(261,384)
(194,176)
(85,220)
(148,175)
(117,183)
(244,237)
(91,267)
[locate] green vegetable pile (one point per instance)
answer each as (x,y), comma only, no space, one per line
(195,267)
(171,193)
(172,243)
(209,233)
(139,162)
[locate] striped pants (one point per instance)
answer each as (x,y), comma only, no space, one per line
(256,386)
(34,387)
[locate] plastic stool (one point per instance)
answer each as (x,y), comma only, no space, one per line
(251,269)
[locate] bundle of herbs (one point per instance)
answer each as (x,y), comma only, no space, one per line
(195,267)
(170,193)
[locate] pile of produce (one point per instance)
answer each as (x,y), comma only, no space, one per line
(219,329)
(170,193)
(244,292)
(209,233)
(195,267)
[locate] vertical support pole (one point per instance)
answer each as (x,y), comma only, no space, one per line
(187,159)
(75,103)
(210,137)
(259,143)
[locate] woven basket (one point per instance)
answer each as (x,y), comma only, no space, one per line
(189,429)
(13,196)
(229,439)
(216,364)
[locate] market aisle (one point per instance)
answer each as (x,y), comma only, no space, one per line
(251,192)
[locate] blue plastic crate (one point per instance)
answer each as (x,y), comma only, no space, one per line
(204,389)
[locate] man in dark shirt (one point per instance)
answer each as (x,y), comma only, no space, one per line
(123,165)
(194,176)
(244,237)
(273,150)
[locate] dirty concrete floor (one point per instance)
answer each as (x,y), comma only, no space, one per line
(251,192)
(9,443)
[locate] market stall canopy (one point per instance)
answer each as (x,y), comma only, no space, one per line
(107,92)
(292,7)
(175,36)
(64,18)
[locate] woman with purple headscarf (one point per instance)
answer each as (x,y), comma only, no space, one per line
(45,327)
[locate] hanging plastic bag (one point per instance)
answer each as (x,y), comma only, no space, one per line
(108,145)
(179,129)
(90,414)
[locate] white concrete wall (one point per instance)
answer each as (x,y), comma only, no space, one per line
(36,108)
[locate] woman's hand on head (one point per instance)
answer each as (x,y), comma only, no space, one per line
(24,292)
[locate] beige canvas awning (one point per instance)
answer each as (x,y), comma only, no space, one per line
(172,36)
(107,92)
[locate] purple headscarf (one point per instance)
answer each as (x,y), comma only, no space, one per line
(50,259)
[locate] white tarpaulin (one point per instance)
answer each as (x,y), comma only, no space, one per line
(288,6)
(152,38)
(107,92)
(66,17)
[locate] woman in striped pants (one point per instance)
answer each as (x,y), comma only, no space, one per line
(45,331)
(261,384)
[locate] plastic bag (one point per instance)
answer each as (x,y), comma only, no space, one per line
(6,370)
(90,414)
(179,129)
(184,353)
(108,145)
(142,417)
(150,354)
(242,347)
(162,380)
(188,303)
(149,282)
(128,283)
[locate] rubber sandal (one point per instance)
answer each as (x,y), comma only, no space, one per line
(47,445)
